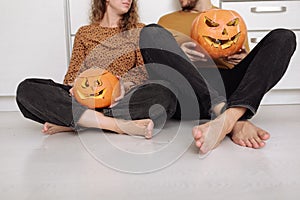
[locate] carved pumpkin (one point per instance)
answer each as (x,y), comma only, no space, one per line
(220,32)
(96,88)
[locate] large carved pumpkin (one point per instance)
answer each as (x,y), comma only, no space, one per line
(96,88)
(220,32)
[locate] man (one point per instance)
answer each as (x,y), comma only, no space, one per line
(244,83)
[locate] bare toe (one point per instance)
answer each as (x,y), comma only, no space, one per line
(51,129)
(196,133)
(264,135)
(254,143)
(247,134)
(149,130)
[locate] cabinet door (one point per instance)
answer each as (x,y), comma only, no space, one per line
(263,16)
(291,78)
(32,39)
(267,15)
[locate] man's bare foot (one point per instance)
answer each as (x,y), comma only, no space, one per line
(51,129)
(209,135)
(246,134)
(143,127)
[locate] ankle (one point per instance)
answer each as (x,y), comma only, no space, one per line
(219,109)
(235,113)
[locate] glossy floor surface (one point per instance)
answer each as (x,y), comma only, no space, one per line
(93,165)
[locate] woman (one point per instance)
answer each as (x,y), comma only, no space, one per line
(109,42)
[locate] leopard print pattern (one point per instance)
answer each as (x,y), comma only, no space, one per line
(110,49)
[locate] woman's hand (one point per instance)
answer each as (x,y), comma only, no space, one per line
(122,89)
(192,52)
(237,57)
(71,91)
(124,86)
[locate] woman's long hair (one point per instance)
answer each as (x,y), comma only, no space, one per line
(129,20)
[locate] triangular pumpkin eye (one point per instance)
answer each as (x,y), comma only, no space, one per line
(233,22)
(85,83)
(210,22)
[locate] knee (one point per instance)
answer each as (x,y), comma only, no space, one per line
(284,38)
(22,88)
(26,91)
(154,31)
(153,25)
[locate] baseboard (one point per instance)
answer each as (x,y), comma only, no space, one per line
(8,103)
(281,97)
(274,97)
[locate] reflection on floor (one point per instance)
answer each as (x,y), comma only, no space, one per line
(93,165)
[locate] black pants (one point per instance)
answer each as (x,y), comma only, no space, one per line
(243,86)
(46,101)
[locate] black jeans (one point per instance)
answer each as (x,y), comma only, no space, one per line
(46,101)
(243,86)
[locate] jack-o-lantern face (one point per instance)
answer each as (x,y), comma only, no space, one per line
(220,32)
(96,88)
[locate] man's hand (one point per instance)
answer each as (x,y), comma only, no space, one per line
(189,48)
(237,57)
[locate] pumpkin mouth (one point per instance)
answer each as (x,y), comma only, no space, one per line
(98,95)
(223,43)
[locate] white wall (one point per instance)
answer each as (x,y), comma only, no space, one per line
(149,11)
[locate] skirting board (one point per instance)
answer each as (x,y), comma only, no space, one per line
(274,97)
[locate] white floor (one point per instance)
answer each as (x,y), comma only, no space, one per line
(91,165)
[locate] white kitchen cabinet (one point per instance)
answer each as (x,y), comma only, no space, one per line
(266,15)
(263,16)
(291,80)
(33,44)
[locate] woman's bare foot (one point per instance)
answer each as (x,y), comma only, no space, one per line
(51,129)
(246,134)
(209,135)
(93,119)
(143,127)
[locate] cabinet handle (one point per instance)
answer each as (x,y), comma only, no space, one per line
(269,9)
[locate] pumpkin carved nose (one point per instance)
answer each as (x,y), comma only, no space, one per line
(224,32)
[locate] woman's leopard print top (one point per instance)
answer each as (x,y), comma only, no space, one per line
(110,49)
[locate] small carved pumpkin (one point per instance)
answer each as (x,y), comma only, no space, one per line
(96,88)
(220,32)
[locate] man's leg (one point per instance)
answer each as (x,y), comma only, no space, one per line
(166,61)
(248,82)
(264,66)
(161,53)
